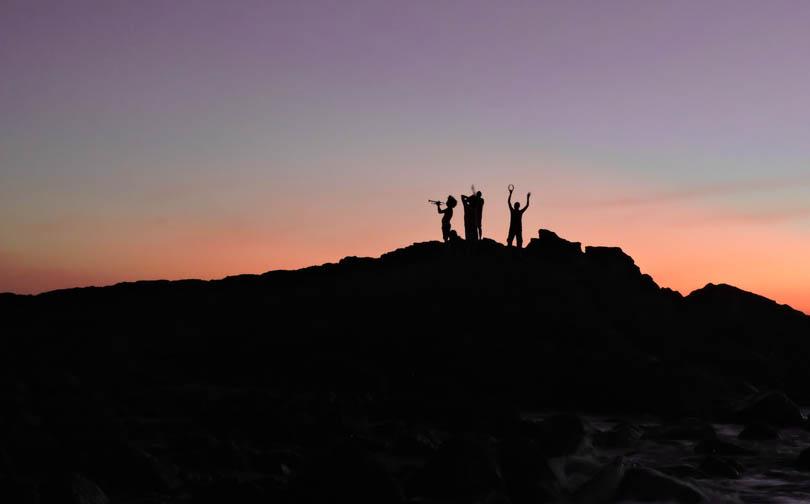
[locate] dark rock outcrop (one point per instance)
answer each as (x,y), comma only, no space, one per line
(344,474)
(720,447)
(22,492)
(691,430)
(124,466)
(758,432)
(463,467)
(525,472)
(648,485)
(803,460)
(720,467)
(623,435)
(72,489)
(772,407)
(559,435)
(551,247)
(344,379)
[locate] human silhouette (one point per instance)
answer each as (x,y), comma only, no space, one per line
(516,219)
(470,227)
(479,211)
(447,233)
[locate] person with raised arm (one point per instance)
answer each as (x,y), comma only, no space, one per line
(470,228)
(479,212)
(516,218)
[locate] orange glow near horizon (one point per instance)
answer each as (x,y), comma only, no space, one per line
(682,244)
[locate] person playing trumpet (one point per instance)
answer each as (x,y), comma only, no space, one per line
(447,215)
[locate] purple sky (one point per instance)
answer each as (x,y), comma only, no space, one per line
(170,139)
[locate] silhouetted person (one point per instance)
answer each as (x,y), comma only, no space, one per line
(447,234)
(470,228)
(479,211)
(516,219)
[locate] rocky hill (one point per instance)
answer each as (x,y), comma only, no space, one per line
(140,388)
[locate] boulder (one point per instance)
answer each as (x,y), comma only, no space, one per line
(525,472)
(611,259)
(281,461)
(414,444)
(18,492)
(550,246)
(72,489)
(688,431)
(344,474)
(497,498)
(771,407)
(622,482)
(462,468)
(623,435)
(356,262)
(803,460)
(720,467)
(230,489)
(719,447)
(126,467)
(603,486)
(648,485)
(758,432)
(683,471)
(558,435)
(204,452)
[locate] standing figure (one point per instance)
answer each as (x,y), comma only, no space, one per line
(447,215)
(470,231)
(479,211)
(516,219)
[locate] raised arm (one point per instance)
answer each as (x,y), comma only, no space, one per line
(528,195)
(439,208)
(509,200)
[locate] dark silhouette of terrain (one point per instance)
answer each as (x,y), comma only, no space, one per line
(410,377)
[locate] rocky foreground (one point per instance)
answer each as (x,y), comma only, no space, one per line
(434,374)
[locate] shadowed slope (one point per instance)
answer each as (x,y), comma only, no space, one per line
(297,375)
(550,325)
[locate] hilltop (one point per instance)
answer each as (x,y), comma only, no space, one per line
(551,309)
(448,297)
(463,339)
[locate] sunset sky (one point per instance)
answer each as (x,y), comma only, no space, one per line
(199,139)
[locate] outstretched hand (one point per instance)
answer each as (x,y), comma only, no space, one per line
(529,194)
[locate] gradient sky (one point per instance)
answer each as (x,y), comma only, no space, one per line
(145,140)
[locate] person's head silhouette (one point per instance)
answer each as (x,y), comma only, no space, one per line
(478,194)
(517,205)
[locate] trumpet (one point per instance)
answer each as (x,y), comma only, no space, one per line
(435,202)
